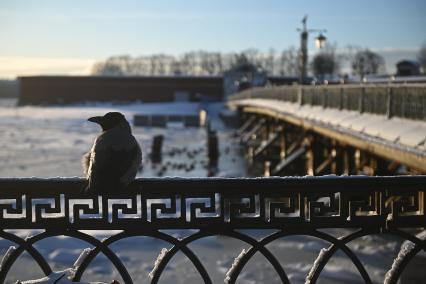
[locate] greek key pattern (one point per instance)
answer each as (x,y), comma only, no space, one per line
(265,209)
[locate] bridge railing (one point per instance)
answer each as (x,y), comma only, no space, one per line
(397,100)
(215,206)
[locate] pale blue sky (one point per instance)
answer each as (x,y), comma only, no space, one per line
(96,29)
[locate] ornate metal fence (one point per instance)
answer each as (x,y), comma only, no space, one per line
(215,206)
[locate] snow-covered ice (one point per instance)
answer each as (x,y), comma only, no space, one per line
(49,142)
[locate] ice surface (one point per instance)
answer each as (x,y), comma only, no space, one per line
(49,142)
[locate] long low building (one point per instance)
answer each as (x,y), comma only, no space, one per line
(73,89)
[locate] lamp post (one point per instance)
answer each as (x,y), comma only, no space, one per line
(319,43)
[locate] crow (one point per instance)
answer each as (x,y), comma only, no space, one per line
(112,163)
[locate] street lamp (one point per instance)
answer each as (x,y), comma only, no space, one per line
(319,43)
(320,40)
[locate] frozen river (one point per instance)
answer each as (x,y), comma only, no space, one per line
(49,142)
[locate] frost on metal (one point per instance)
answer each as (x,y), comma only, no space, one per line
(81,258)
(64,276)
(157,262)
(316,264)
(59,277)
(9,251)
(234,265)
(406,248)
(54,277)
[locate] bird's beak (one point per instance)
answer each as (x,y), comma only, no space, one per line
(96,119)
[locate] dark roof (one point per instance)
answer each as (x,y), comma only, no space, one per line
(408,62)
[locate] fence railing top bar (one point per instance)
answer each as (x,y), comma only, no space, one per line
(234,185)
(169,203)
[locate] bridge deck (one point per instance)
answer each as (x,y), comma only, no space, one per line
(402,140)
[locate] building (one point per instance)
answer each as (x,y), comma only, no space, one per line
(39,90)
(242,76)
(407,68)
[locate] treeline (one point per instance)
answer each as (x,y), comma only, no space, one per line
(198,63)
(327,61)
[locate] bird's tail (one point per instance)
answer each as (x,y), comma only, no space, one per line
(85,189)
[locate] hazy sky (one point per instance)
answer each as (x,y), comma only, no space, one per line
(74,33)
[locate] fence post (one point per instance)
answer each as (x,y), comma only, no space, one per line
(300,96)
(361,100)
(324,98)
(342,94)
(389,102)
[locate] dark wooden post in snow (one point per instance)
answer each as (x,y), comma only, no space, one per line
(156,152)
(212,148)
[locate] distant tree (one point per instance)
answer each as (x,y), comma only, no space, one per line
(326,62)
(176,68)
(270,62)
(218,61)
(323,64)
(367,62)
(422,57)
(252,55)
(107,69)
(198,63)
(288,62)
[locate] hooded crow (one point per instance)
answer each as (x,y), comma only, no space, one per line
(115,157)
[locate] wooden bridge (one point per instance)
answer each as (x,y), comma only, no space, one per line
(335,129)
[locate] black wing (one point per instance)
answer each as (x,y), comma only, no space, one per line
(107,168)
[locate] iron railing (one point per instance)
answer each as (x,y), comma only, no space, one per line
(216,206)
(392,100)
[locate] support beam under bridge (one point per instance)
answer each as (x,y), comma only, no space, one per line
(273,134)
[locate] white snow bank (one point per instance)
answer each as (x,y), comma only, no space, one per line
(82,112)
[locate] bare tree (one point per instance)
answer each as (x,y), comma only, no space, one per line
(252,55)
(288,64)
(106,69)
(327,62)
(270,61)
(367,62)
(199,63)
(422,57)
